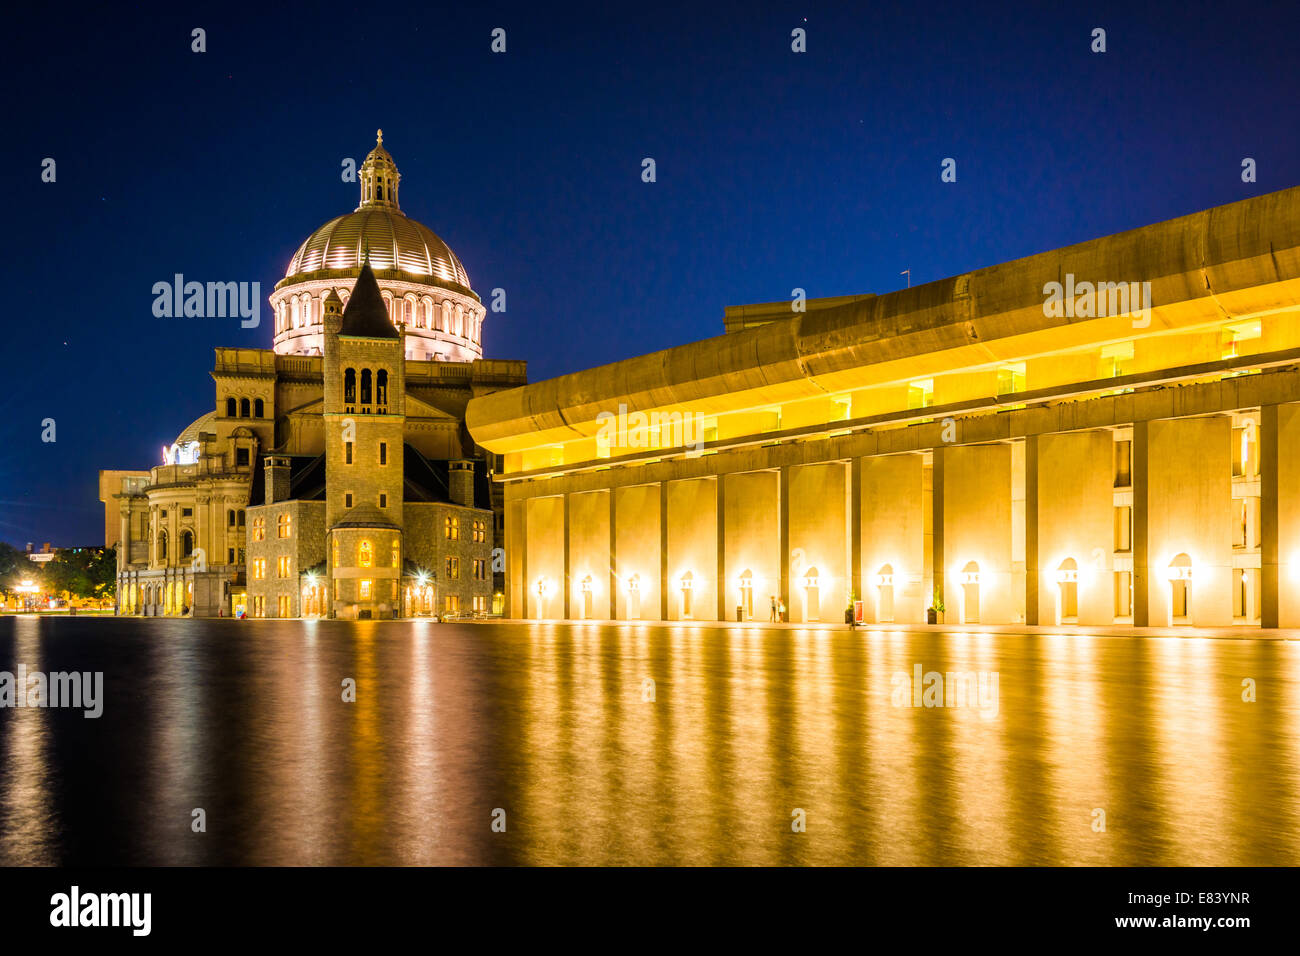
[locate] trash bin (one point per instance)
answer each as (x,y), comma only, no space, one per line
(740,612)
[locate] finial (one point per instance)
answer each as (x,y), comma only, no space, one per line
(380,134)
(365,250)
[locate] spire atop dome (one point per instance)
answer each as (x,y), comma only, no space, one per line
(379,178)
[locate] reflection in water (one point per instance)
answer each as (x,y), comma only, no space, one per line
(644,744)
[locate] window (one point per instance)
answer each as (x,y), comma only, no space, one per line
(230,556)
(381,387)
(1011,378)
(365,386)
(383,452)
(259,569)
(335,549)
(244,408)
(480,569)
(230,517)
(451,603)
(187,512)
(259,409)
(365,555)
(920,394)
(284,610)
(1124,528)
(241,457)
(282,566)
(1240,517)
(259,606)
(232,408)
(259,529)
(397,554)
(1123,594)
(453,569)
(451,525)
(1243,459)
(162,543)
(187,543)
(365,589)
(347,500)
(347,453)
(241,518)
(350,387)
(383,500)
(282,526)
(480,530)
(1123,464)
(480,603)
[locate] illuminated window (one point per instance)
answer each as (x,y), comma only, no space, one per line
(453,569)
(259,568)
(336,552)
(480,530)
(284,606)
(282,566)
(1239,524)
(365,556)
(920,394)
(1116,360)
(451,603)
(365,589)
(282,526)
(451,526)
(1124,528)
(397,554)
(1011,378)
(259,529)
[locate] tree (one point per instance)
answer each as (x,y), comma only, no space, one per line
(10,567)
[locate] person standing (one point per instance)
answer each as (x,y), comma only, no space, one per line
(772,616)
(780,610)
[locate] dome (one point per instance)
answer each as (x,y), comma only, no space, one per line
(393,241)
(204,423)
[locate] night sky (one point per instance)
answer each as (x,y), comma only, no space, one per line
(819,170)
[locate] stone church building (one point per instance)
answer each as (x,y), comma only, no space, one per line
(334,475)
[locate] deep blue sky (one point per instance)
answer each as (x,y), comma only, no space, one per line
(775,170)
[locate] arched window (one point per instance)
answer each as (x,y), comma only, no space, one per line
(232,408)
(259,409)
(446,316)
(187,543)
(306,310)
(230,517)
(460,321)
(244,408)
(428,313)
(365,386)
(381,387)
(350,387)
(282,526)
(365,556)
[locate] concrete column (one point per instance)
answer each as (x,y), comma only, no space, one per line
(613,554)
(1032,572)
(783,532)
(1268,515)
(663,550)
(855,529)
(722,583)
(568,571)
(1141,554)
(937,570)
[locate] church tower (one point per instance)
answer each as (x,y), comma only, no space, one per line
(364,411)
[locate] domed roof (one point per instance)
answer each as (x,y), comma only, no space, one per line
(394,241)
(378,227)
(204,423)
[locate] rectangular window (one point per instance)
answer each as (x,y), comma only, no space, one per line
(282,566)
(241,457)
(1239,523)
(284,605)
(451,603)
(453,569)
(347,500)
(187,512)
(259,568)
(383,452)
(259,606)
(230,556)
(347,452)
(282,526)
(1123,464)
(1123,594)
(383,500)
(1124,528)
(365,589)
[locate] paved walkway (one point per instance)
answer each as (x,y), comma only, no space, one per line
(1241,633)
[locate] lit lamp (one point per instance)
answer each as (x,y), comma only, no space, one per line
(884,580)
(542,587)
(586,584)
(688,581)
(1177,573)
(970,577)
(634,583)
(1066,576)
(746,581)
(811,581)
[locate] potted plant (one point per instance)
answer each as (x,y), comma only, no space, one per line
(850,596)
(935,609)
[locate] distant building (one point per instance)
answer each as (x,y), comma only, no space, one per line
(1108,433)
(334,476)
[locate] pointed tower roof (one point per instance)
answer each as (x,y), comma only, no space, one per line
(366,316)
